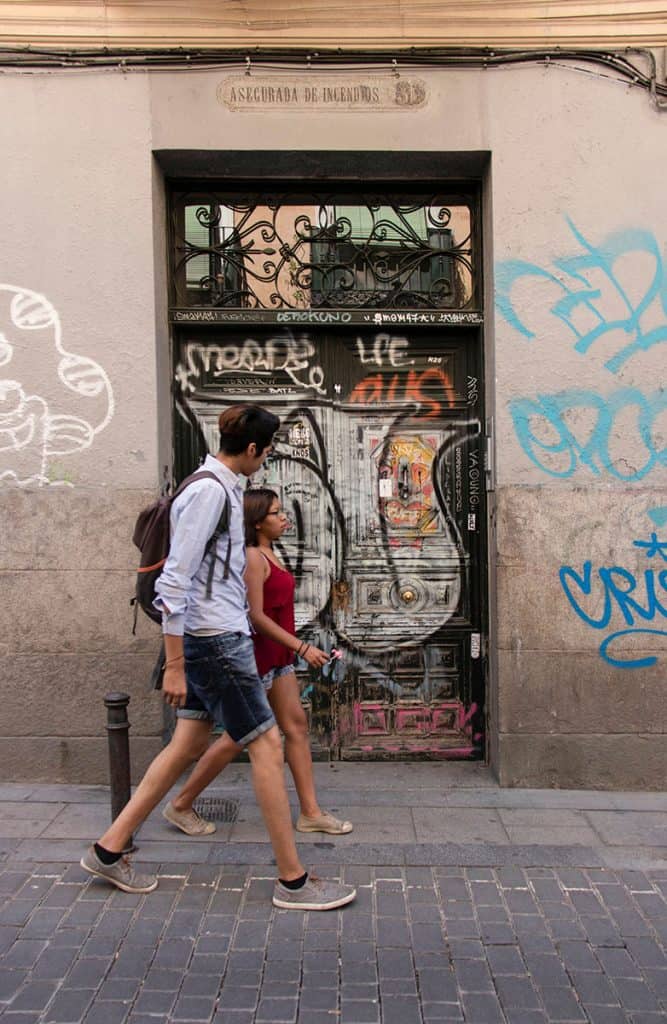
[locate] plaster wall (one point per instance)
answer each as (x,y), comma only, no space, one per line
(576,376)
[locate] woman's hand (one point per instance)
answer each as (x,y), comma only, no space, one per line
(315,657)
(173,685)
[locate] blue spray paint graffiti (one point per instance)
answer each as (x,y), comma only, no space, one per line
(558,451)
(619,589)
(588,294)
(607,306)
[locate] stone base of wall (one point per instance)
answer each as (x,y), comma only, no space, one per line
(584,762)
(83,760)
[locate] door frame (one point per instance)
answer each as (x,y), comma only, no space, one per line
(327,169)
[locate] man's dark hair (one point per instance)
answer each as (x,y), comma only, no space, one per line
(242,425)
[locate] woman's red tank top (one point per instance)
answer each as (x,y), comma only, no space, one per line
(279,589)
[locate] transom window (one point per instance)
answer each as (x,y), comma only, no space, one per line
(233,251)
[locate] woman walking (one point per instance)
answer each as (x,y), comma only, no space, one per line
(271,601)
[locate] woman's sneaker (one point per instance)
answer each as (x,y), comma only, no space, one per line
(314,894)
(121,874)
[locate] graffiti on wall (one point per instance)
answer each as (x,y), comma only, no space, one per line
(638,598)
(378,464)
(607,300)
(53,403)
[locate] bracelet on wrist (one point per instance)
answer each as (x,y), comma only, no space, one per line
(181,657)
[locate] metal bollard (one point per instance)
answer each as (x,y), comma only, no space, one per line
(118,728)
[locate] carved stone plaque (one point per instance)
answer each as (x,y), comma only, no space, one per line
(340,93)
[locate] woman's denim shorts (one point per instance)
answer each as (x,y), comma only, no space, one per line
(223,685)
(269,677)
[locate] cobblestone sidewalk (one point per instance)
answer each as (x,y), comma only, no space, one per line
(420,944)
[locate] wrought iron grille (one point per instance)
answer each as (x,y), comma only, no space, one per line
(308,252)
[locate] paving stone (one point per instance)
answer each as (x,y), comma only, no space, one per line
(657,979)
(24,953)
(200,985)
(174,953)
(288,971)
(601,931)
(572,878)
(636,995)
(561,1004)
(132,962)
(87,972)
(195,1008)
(401,1010)
(546,889)
(578,956)
(29,1017)
(276,1010)
(107,1012)
(235,997)
(359,974)
(54,963)
(358,1011)
(325,999)
(434,1012)
(516,992)
(520,1015)
(395,963)
(606,1015)
(563,929)
(286,949)
(34,995)
(473,976)
(497,934)
(69,1004)
(163,978)
(154,1001)
(547,970)
(466,949)
(120,988)
(505,960)
(617,963)
(594,988)
(391,987)
(482,1008)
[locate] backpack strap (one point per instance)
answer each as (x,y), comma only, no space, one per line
(221,528)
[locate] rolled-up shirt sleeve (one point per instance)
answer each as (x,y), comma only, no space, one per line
(194,517)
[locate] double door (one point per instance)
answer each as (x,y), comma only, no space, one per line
(380,466)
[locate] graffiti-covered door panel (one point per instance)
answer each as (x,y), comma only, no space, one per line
(379,464)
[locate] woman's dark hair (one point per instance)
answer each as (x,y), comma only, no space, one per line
(242,425)
(256,504)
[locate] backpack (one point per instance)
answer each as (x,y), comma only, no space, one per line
(151,536)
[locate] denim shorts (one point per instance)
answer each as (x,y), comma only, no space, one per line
(223,685)
(269,677)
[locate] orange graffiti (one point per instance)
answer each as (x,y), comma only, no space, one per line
(377,389)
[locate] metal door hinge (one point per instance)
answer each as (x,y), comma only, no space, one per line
(490,456)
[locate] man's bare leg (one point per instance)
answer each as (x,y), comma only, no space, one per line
(268,776)
(187,744)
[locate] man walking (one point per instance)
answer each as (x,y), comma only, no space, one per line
(210,674)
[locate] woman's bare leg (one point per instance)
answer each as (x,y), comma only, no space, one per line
(217,757)
(285,700)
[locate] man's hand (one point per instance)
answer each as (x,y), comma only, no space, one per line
(173,685)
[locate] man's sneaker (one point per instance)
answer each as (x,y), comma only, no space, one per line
(315,894)
(121,874)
